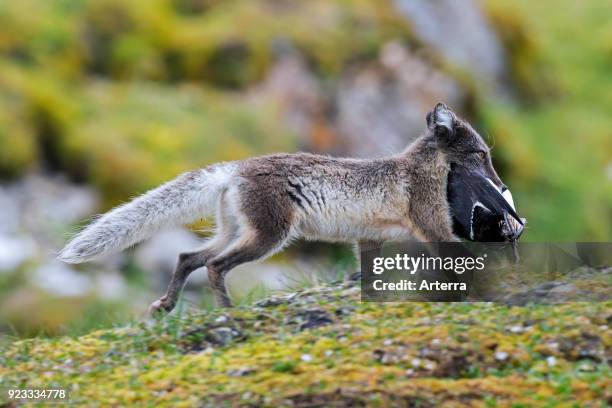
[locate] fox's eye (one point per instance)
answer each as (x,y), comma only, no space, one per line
(482,154)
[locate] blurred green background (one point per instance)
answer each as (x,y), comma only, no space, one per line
(117,97)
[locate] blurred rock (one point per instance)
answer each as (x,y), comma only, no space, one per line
(14,251)
(9,211)
(110,285)
(41,205)
(459,31)
(382,107)
(61,280)
(33,213)
(300,96)
(372,110)
(159,254)
(56,200)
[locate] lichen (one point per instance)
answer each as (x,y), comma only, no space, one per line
(369,353)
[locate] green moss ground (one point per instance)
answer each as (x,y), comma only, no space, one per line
(322,347)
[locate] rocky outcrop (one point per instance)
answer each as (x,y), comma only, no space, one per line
(371,110)
(462,35)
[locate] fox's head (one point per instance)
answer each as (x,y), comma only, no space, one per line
(481,204)
(461,143)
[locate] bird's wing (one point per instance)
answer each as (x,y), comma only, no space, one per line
(469,189)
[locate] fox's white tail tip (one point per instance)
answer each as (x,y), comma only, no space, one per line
(185,199)
(77,252)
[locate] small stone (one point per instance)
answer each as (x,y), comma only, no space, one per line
(306,358)
(416,362)
(551,361)
(501,355)
(436,342)
(221,336)
(313,318)
(240,372)
(221,319)
(290,296)
(388,342)
(328,353)
(517,329)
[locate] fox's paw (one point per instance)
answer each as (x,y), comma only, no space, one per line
(161,306)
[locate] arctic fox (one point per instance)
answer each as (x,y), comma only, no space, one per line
(263,203)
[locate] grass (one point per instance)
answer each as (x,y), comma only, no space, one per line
(324,346)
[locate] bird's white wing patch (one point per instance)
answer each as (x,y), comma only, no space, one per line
(476,204)
(508,196)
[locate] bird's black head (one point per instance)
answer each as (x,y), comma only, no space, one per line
(481,204)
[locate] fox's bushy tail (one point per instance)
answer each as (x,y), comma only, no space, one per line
(185,199)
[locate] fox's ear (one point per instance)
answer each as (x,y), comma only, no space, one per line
(440,116)
(441,120)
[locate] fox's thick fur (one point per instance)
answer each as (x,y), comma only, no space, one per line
(260,204)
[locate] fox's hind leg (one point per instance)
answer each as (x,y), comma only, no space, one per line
(252,245)
(265,217)
(188,262)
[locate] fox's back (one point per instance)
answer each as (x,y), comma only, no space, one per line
(331,198)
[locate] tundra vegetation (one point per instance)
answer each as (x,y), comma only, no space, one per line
(322,347)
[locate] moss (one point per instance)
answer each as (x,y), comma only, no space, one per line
(556,149)
(148,132)
(18,150)
(377,354)
(225,44)
(528,69)
(145,132)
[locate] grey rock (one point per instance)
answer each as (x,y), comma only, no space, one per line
(460,32)
(110,285)
(158,256)
(14,251)
(10,214)
(371,110)
(222,336)
(381,108)
(295,89)
(59,279)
